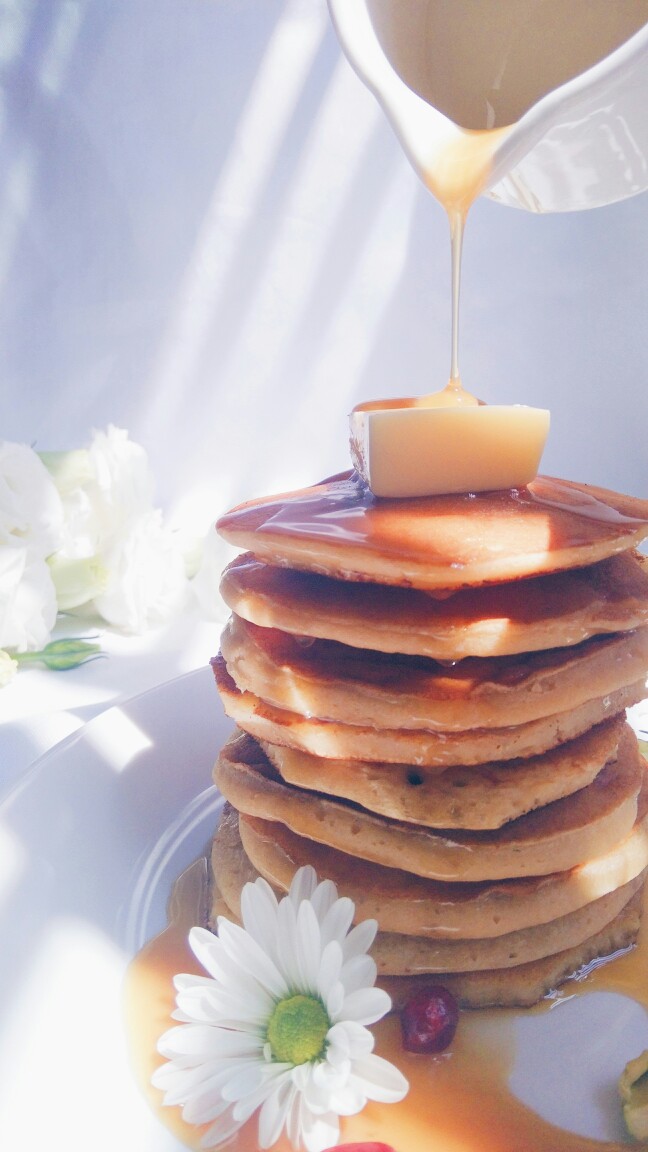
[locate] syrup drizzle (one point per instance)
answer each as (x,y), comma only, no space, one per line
(458,1102)
(457,223)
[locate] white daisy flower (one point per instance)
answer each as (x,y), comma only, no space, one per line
(280,1024)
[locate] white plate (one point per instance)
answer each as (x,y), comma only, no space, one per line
(90,844)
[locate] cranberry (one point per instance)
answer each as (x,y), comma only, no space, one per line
(429,1020)
(366,1147)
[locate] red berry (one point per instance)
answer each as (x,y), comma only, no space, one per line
(366,1147)
(429,1020)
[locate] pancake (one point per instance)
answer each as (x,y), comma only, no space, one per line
(521,986)
(409,955)
(332,681)
(403,961)
(417,746)
(525,984)
(339,529)
(412,906)
(526,615)
(551,839)
(479,797)
(431,693)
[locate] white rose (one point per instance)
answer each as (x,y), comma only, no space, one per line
(31,520)
(31,512)
(116,556)
(8,669)
(73,474)
(27,599)
(124,482)
(77,580)
(146,579)
(102,488)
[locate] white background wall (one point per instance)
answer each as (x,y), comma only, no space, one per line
(209,236)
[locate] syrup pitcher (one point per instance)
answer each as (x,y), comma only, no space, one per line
(538,104)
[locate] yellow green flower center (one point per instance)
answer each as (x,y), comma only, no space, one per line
(297,1030)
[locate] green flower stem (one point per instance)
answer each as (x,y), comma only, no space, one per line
(59,655)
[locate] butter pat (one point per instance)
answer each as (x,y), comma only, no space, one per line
(406,448)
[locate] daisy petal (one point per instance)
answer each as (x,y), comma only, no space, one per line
(350,1038)
(308,948)
(366,1005)
(379,1079)
(320,1132)
(287,944)
(206,1103)
(273,1077)
(220,1132)
(349,1099)
(358,972)
(303,885)
(323,898)
(274,1113)
(245,951)
(259,913)
(200,1042)
(180,1084)
(330,967)
(338,920)
(360,938)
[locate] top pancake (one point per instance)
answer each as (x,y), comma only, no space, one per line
(338,528)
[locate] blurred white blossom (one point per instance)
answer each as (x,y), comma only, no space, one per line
(79,533)
(146,575)
(77,579)
(117,557)
(31,521)
(31,512)
(27,599)
(8,669)
(122,476)
(102,488)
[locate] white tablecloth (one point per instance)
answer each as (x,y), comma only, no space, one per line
(41,707)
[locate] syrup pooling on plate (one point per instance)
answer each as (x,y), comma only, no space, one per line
(458,1101)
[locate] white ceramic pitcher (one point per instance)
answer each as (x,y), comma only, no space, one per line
(583,144)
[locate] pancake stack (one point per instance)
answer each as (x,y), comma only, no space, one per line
(430,703)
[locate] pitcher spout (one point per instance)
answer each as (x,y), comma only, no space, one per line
(546,110)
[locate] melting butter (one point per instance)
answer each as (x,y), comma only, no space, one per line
(410,448)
